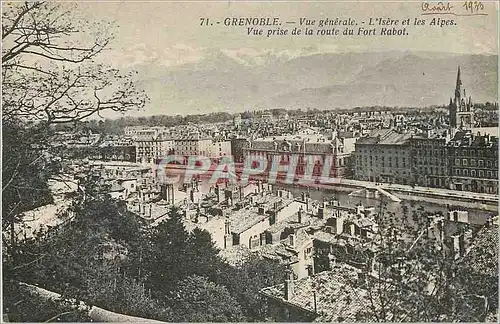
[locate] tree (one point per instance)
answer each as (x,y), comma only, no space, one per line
(203,255)
(411,273)
(476,277)
(84,257)
(246,280)
(167,261)
(50,75)
(25,173)
(199,300)
(24,306)
(49,68)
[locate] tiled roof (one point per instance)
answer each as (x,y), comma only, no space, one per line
(325,237)
(301,238)
(244,219)
(466,139)
(337,299)
(385,137)
(274,251)
(293,222)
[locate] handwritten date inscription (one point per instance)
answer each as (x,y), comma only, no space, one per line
(473,6)
(468,8)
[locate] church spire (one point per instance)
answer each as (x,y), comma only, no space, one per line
(459,82)
(458,90)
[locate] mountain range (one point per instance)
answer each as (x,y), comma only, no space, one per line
(238,82)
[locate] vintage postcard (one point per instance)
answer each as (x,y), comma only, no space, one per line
(250,161)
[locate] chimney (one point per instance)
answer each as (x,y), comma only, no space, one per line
(308,204)
(262,210)
(303,197)
(218,192)
(299,215)
(489,222)
(289,285)
(339,225)
(291,239)
(321,212)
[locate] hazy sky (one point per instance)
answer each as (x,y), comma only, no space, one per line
(170,33)
(156,38)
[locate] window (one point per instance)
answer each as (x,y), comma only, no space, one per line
(466,173)
(481,163)
(473,162)
(457,162)
(481,173)
(473,173)
(464,162)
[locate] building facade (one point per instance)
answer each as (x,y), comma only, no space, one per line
(429,159)
(312,153)
(473,161)
(383,156)
(150,149)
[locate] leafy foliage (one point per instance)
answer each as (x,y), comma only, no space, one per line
(50,76)
(24,306)
(245,281)
(200,300)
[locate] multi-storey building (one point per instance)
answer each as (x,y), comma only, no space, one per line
(314,149)
(150,149)
(196,144)
(383,156)
(473,161)
(429,159)
(220,146)
(193,144)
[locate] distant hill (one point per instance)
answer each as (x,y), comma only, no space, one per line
(220,82)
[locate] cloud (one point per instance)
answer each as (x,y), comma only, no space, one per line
(180,54)
(131,56)
(252,56)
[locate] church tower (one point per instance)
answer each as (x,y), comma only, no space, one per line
(461,107)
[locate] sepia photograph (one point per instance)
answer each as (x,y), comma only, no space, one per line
(250,161)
